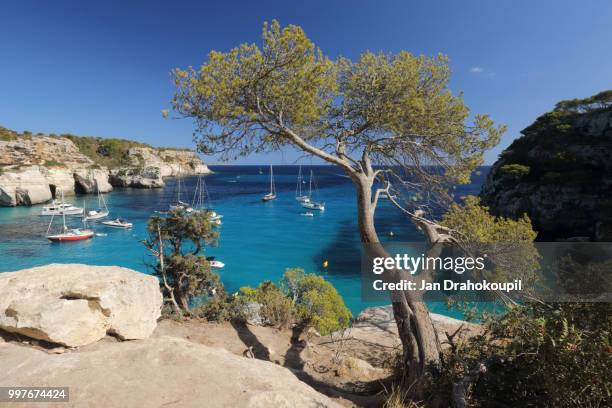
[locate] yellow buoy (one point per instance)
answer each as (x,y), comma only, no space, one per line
(325,263)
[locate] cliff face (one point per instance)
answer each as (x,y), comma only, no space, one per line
(559,173)
(33,168)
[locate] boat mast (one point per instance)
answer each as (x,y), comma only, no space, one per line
(271,180)
(64,212)
(298,189)
(178,199)
(310,186)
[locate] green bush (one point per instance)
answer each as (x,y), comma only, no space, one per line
(222,308)
(320,305)
(537,355)
(52,163)
(306,299)
(515,169)
(105,152)
(7,135)
(276,308)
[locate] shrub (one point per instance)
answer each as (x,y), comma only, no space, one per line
(276,308)
(320,305)
(7,134)
(222,308)
(52,163)
(537,355)
(515,169)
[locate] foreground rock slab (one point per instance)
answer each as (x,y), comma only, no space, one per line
(162,371)
(377,325)
(74,305)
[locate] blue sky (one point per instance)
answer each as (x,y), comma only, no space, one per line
(102,68)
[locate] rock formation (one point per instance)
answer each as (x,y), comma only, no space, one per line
(559,172)
(75,305)
(33,168)
(156,372)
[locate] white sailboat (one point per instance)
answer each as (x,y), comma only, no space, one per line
(100,212)
(298,189)
(179,204)
(202,203)
(272,194)
(68,234)
(312,205)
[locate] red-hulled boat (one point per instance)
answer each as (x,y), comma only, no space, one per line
(68,234)
(71,234)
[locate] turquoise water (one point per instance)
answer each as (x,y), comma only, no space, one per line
(258,240)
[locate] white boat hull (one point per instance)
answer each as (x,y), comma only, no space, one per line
(114,224)
(68,211)
(217,264)
(95,215)
(314,206)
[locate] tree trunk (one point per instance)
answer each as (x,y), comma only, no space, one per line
(182,299)
(421,346)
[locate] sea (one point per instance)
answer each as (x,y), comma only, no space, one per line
(257,240)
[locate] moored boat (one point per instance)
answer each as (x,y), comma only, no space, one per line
(308,202)
(71,234)
(61,209)
(118,223)
(272,194)
(214,263)
(298,188)
(68,234)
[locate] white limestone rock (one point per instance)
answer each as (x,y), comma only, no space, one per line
(74,305)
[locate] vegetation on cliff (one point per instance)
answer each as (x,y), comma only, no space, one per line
(559,172)
(548,146)
(104,152)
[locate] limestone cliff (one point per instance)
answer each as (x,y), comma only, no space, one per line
(34,167)
(559,172)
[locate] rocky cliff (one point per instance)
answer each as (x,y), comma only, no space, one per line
(34,167)
(559,172)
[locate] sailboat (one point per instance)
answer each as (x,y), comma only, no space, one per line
(298,189)
(202,203)
(312,205)
(272,194)
(101,212)
(179,204)
(68,233)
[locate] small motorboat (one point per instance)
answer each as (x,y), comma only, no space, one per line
(118,223)
(314,206)
(308,214)
(71,234)
(214,263)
